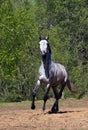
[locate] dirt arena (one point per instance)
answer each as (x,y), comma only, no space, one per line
(73,115)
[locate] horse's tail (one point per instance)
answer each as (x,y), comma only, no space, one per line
(71,87)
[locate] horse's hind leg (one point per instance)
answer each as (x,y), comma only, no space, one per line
(63,84)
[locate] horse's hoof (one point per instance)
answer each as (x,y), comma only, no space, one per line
(33,107)
(54,110)
(43,108)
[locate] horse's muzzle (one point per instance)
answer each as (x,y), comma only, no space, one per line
(43,53)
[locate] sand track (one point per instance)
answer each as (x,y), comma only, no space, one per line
(69,118)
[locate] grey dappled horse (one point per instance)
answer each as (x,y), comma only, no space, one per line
(51,74)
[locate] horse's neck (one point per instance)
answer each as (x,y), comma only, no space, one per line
(46,59)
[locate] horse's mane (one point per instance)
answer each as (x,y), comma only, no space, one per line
(49,48)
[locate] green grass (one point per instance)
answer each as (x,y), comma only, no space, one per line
(27,104)
(16,105)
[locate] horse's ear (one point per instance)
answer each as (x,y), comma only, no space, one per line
(47,38)
(40,38)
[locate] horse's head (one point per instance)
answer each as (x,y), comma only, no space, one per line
(44,46)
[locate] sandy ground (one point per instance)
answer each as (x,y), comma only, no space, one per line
(73,115)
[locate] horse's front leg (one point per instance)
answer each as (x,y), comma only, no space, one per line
(55,105)
(57,96)
(46,96)
(35,90)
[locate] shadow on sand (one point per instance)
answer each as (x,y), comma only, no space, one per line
(61,112)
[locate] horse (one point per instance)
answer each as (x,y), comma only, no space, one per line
(51,74)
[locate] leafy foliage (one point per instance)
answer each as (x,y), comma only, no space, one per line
(21,23)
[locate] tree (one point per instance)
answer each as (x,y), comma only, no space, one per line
(21,23)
